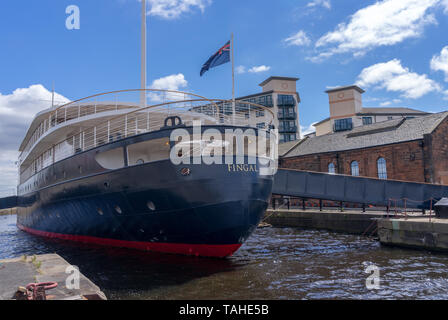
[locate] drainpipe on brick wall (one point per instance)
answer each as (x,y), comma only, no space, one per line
(339,171)
(428,172)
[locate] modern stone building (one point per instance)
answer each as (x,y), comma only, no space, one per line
(280,94)
(347,112)
(410,149)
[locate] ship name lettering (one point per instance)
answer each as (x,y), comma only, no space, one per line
(242,168)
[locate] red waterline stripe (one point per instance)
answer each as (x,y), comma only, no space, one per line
(200,250)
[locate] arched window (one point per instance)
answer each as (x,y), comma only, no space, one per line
(382,169)
(331,168)
(355,168)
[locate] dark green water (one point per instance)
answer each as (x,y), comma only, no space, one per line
(273,264)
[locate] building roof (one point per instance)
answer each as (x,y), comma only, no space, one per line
(376,111)
(382,111)
(382,133)
(285,147)
(345,88)
(320,122)
(256,95)
(277,78)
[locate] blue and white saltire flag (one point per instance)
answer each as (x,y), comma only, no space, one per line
(220,57)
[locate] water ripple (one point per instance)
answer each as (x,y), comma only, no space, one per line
(273,264)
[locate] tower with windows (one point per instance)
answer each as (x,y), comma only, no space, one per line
(280,94)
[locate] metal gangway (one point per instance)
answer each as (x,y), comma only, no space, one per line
(349,189)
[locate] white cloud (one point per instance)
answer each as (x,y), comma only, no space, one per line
(174,82)
(16,113)
(256,69)
(445,5)
(173,9)
(315,3)
(299,39)
(440,62)
(304,130)
(385,104)
(384,23)
(259,69)
(26,102)
(392,76)
(240,69)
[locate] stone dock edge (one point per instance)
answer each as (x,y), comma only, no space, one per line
(20,272)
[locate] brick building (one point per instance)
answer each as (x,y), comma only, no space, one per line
(410,149)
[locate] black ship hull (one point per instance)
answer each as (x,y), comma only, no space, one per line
(201,210)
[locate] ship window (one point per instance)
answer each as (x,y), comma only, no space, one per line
(112,159)
(149,151)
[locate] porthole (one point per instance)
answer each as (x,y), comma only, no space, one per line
(118,209)
(100,212)
(106,185)
(140,161)
(151,205)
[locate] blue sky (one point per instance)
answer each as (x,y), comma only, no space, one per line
(395,49)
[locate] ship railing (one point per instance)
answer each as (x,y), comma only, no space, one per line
(152,118)
(100,103)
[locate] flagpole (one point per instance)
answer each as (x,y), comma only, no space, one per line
(233,81)
(143,61)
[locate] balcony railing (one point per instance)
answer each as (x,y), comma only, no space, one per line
(287,115)
(287,129)
(286,101)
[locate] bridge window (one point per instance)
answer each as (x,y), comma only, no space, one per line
(382,168)
(355,168)
(149,151)
(112,159)
(331,168)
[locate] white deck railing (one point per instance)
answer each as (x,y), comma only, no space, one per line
(142,119)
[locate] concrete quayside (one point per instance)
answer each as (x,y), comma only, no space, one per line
(412,230)
(20,272)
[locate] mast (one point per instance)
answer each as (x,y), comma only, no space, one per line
(143,62)
(52,95)
(233,80)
